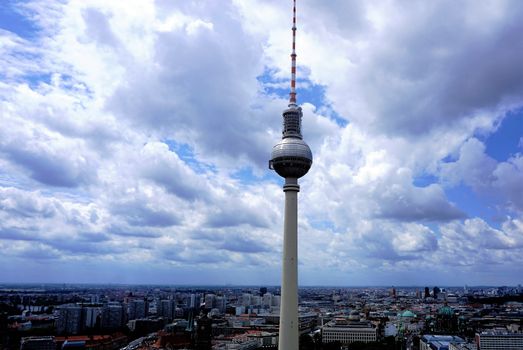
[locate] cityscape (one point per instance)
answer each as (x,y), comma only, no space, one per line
(131,317)
(261,175)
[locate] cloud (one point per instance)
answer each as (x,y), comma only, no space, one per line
(142,133)
(46,159)
(415,239)
(27,204)
(508,179)
(405,202)
(139,214)
(410,70)
(476,169)
(195,91)
(12,233)
(243,245)
(472,167)
(236,208)
(158,163)
(29,250)
(98,28)
(478,246)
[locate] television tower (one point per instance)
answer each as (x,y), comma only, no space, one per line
(291,158)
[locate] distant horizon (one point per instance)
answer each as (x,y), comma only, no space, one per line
(248,285)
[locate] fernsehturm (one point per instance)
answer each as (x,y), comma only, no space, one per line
(291,158)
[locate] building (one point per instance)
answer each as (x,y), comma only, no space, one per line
(438,342)
(242,343)
(499,340)
(246,299)
(239,310)
(38,343)
(210,301)
(112,316)
(347,332)
(221,303)
(136,309)
(194,301)
(203,333)
(166,309)
(462,346)
(69,319)
(446,320)
(390,330)
(115,341)
(74,344)
(276,300)
(264,339)
(145,326)
(92,316)
(267,300)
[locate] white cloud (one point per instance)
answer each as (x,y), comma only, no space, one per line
(127,130)
(476,169)
(509,181)
(472,167)
(47,156)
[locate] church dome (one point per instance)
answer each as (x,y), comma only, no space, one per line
(407,313)
(446,311)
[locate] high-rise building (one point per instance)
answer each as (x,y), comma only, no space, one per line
(435,292)
(113,316)
(291,158)
(69,319)
(267,300)
(221,303)
(194,301)
(246,299)
(209,301)
(136,309)
(256,300)
(92,316)
(166,309)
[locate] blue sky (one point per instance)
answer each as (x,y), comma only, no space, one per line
(135,139)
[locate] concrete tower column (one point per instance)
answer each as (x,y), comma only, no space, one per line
(289,332)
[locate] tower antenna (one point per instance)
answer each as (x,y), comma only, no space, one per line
(292,99)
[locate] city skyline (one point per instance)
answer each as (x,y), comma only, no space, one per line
(134,142)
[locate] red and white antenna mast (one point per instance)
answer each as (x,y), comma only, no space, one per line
(292,99)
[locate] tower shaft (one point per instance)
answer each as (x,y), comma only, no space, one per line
(289,332)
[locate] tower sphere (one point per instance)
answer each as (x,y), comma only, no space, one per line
(291,157)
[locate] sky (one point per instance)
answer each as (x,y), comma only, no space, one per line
(135,138)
